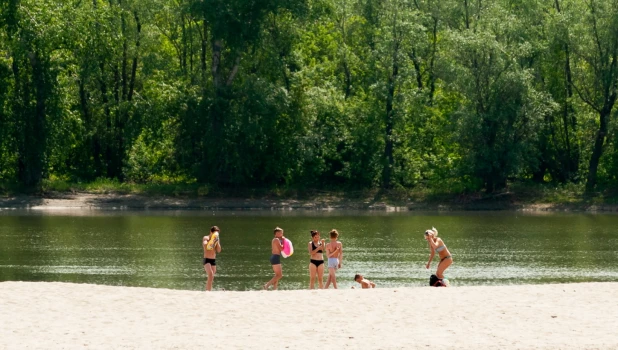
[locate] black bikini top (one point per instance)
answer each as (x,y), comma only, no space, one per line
(313,246)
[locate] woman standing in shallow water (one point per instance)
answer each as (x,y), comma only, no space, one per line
(316,264)
(437,245)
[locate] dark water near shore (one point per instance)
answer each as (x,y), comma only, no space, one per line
(163,249)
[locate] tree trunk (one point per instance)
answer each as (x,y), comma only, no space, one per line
(346,68)
(571,164)
(92,142)
(599,142)
(432,78)
(106,147)
(571,156)
(211,160)
(21,97)
(348,79)
(183,59)
(216,60)
(117,84)
(204,46)
(35,137)
(234,71)
(191,53)
(125,49)
(606,70)
(466,15)
(538,176)
(417,69)
(489,184)
(388,149)
(135,58)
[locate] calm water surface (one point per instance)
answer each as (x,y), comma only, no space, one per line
(163,249)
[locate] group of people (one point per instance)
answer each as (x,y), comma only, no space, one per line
(316,248)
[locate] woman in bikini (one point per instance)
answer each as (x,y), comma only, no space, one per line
(316,264)
(437,245)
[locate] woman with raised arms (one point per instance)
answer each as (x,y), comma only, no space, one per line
(437,245)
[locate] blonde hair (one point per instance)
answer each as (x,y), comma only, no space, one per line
(433,230)
(277,229)
(334,233)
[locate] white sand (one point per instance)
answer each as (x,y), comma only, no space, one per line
(69,316)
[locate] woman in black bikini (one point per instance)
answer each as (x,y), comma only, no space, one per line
(316,264)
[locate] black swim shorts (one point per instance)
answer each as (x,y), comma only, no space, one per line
(275,259)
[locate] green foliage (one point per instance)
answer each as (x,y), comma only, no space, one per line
(428,97)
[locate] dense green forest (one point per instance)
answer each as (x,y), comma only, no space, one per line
(462,95)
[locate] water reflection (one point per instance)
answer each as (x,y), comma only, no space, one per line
(162,248)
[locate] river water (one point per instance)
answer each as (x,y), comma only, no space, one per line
(163,248)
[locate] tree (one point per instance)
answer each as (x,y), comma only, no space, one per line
(596,83)
(497,125)
(32,87)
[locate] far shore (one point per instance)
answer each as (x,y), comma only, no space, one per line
(51,315)
(96,201)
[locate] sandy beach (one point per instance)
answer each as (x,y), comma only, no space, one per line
(40,315)
(87,202)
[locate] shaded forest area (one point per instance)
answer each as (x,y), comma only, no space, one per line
(451,96)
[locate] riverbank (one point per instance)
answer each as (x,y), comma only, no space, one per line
(116,201)
(38,315)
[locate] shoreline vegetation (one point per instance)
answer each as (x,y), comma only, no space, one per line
(66,315)
(443,105)
(110,195)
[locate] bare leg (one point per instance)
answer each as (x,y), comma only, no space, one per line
(331,278)
(442,266)
(210,271)
(279,274)
(334,278)
(275,280)
(320,271)
(214,273)
(312,274)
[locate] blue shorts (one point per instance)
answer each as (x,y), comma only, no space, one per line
(275,259)
(333,263)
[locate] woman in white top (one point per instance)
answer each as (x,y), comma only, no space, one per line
(437,245)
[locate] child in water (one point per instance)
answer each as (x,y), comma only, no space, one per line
(210,255)
(334,251)
(275,259)
(365,283)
